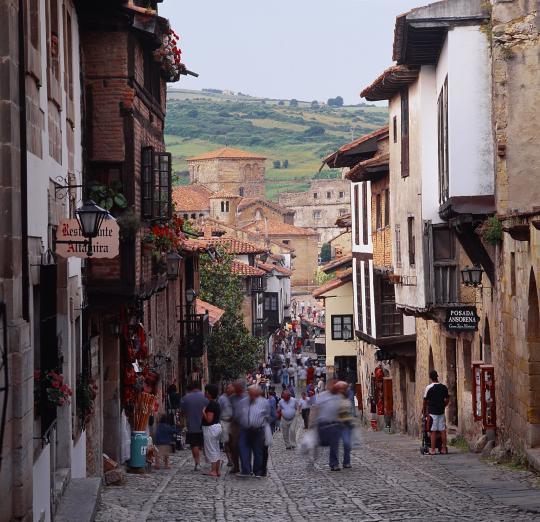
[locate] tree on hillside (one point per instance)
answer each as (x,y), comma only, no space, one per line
(277,164)
(232,351)
(293,103)
(335,102)
(285,163)
(281,102)
(314,104)
(315,130)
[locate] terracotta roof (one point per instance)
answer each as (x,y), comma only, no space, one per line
(278,228)
(224,194)
(331,266)
(268,267)
(214,313)
(227,153)
(390,82)
(190,198)
(341,278)
(370,169)
(244,269)
(344,221)
(353,149)
(248,202)
(193,245)
(232,245)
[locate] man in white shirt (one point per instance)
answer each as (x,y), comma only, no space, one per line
(292,374)
(287,408)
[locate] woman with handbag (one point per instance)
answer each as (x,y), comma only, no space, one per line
(212,430)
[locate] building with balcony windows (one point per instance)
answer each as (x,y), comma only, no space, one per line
(441,183)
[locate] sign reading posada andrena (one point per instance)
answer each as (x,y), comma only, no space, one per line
(105,246)
(462,319)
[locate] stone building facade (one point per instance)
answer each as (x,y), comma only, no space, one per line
(235,171)
(320,206)
(41,296)
(514,315)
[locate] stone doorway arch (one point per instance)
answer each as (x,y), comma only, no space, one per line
(533,353)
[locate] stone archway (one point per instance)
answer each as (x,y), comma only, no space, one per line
(533,351)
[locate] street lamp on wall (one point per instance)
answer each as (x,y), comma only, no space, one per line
(472,276)
(90,217)
(190,296)
(173,265)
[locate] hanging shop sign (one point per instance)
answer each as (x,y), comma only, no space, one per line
(104,246)
(461,319)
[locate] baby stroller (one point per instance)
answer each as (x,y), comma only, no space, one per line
(427,421)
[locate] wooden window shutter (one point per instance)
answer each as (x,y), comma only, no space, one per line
(147,185)
(405,134)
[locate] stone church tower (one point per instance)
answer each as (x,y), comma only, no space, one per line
(232,170)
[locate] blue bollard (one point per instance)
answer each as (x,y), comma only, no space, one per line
(139,445)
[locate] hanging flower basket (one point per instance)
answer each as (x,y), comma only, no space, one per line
(86,396)
(170,55)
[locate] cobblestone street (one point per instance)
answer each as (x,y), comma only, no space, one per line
(390,480)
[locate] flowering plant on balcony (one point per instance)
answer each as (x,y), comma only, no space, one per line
(165,237)
(52,384)
(170,56)
(86,396)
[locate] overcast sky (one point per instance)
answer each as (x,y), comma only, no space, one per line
(305,49)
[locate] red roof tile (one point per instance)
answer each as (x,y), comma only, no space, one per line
(331,159)
(367,170)
(268,267)
(390,82)
(227,153)
(244,269)
(214,313)
(341,279)
(191,198)
(232,245)
(278,228)
(333,265)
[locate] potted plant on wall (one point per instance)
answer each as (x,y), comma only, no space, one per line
(109,197)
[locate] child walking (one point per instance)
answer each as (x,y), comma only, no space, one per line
(164,441)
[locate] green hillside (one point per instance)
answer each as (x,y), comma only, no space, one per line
(300,136)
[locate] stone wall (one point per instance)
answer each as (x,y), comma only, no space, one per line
(514,316)
(320,206)
(237,176)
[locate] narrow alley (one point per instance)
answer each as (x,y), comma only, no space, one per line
(389,480)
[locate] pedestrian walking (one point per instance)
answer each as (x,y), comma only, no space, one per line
(305,408)
(346,421)
(234,436)
(328,424)
(225,420)
(164,441)
(212,430)
(436,399)
(292,374)
(287,409)
(284,376)
(310,374)
(253,414)
(192,404)
(320,385)
(302,378)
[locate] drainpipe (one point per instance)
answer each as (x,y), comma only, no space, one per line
(24,167)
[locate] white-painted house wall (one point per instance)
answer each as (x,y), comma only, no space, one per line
(41,171)
(466,59)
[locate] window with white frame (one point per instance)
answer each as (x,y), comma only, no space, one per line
(342,327)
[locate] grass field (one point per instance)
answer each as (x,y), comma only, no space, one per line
(198,122)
